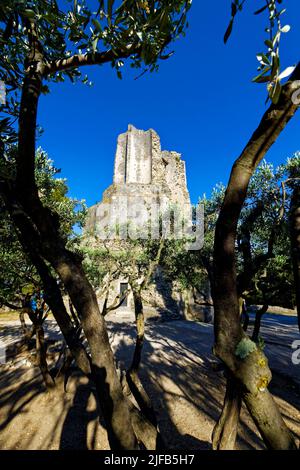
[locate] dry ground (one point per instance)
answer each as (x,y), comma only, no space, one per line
(177,371)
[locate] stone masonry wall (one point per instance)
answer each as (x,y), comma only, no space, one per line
(143,175)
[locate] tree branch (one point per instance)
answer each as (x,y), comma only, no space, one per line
(10,305)
(92,58)
(153,264)
(117,301)
(31,90)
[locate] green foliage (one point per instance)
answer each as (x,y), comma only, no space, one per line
(270,188)
(212,207)
(53,192)
(69,28)
(131,258)
(269,60)
(106,261)
(18,276)
(96,264)
(183,265)
(260,343)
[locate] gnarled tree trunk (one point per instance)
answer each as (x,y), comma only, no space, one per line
(102,367)
(252,371)
(225,431)
(133,379)
(39,233)
(41,357)
(295,242)
(258,316)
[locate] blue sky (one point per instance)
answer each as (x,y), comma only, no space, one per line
(202,103)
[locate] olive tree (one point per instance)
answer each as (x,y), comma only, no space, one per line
(46,41)
(135,260)
(21,288)
(247,366)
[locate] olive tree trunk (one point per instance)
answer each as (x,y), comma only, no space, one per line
(41,357)
(258,316)
(295,242)
(133,379)
(252,372)
(225,431)
(45,245)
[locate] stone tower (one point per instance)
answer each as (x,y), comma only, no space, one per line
(143,175)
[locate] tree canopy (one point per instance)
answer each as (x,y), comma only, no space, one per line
(71,34)
(263,254)
(18,275)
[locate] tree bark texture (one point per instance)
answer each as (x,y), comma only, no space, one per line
(252,371)
(295,242)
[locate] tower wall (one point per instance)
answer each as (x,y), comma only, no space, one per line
(138,156)
(143,175)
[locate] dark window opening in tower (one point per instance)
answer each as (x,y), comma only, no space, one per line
(123,288)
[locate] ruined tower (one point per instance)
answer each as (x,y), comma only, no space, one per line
(143,175)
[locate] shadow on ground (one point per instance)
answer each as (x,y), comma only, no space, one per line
(177,372)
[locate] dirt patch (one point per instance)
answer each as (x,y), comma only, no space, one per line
(178,374)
